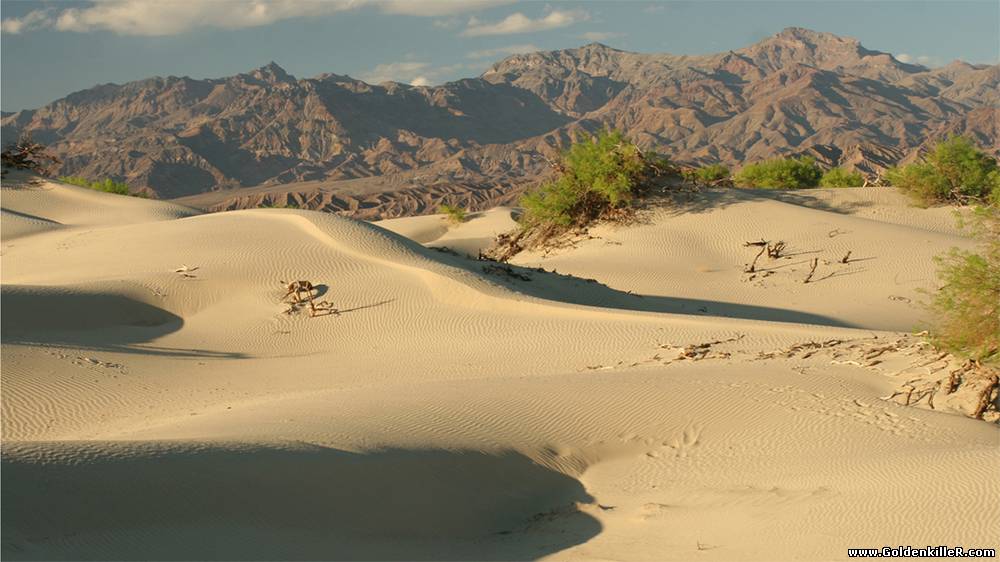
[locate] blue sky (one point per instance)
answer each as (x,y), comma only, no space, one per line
(50,49)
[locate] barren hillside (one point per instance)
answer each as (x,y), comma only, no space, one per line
(476,141)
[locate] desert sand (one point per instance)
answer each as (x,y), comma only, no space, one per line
(458,409)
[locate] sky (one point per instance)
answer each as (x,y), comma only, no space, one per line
(49,49)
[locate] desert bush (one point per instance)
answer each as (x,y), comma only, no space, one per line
(709,174)
(839,177)
(597,175)
(26,154)
(106,185)
(994,197)
(966,307)
(454,213)
(954,172)
(780,173)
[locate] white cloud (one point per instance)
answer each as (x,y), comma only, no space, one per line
(600,35)
(152,17)
(437,7)
(520,23)
(924,60)
(405,72)
(450,23)
(508,50)
(32,20)
(415,72)
(170,17)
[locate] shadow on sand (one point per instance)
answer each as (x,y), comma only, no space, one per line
(219,501)
(51,316)
(575,290)
(712,199)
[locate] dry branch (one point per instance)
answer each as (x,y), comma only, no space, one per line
(986,398)
(752,267)
(302,292)
(812,270)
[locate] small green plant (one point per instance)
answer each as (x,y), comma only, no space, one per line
(709,174)
(598,175)
(455,214)
(106,185)
(839,177)
(780,173)
(967,306)
(954,172)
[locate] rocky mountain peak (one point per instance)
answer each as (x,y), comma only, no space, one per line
(272,74)
(808,36)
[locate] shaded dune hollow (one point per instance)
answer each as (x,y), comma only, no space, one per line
(278,501)
(41,310)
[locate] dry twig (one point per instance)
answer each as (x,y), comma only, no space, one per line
(752,267)
(812,270)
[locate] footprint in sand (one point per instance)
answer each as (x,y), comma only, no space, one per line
(682,442)
(653,510)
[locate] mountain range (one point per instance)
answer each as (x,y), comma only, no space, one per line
(337,143)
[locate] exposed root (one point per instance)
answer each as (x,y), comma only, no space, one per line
(504,270)
(987,396)
(700,351)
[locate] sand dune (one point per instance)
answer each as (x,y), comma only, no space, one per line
(693,254)
(454,410)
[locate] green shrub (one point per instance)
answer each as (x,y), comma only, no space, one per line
(711,173)
(967,306)
(106,185)
(780,173)
(597,175)
(919,180)
(839,177)
(554,203)
(455,214)
(955,171)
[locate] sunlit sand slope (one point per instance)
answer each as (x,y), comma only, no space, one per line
(160,401)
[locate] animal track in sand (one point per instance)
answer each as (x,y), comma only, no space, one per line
(653,510)
(878,415)
(749,495)
(680,444)
(89,362)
